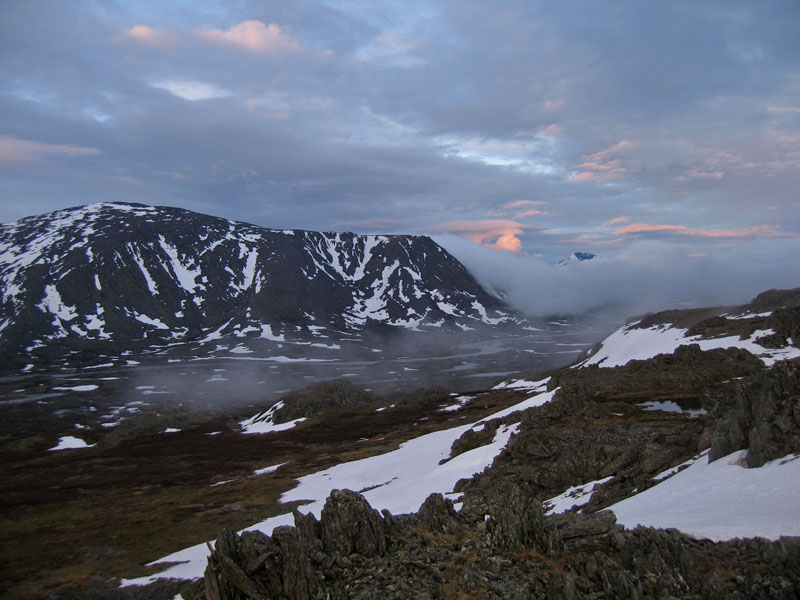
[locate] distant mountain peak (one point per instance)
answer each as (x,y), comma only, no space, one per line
(576,257)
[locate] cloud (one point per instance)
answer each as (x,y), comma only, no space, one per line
(531,212)
(644,227)
(524,203)
(461,128)
(605,165)
(19,151)
(504,233)
(147,35)
(622,219)
(764,231)
(191,90)
(374,224)
(269,107)
(253,36)
(645,276)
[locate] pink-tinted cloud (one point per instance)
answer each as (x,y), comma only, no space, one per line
(551,130)
(527,205)
(644,227)
(622,219)
(497,234)
(18,151)
(507,241)
(760,231)
(147,35)
(521,203)
(253,36)
(603,166)
(531,212)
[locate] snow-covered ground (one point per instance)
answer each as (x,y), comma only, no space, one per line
(578,495)
(262,422)
(398,481)
(721,500)
(69,442)
(632,343)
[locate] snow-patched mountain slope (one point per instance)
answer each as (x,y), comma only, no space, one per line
(121,273)
(575,257)
(767,327)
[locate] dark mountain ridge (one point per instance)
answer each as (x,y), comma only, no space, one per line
(112,277)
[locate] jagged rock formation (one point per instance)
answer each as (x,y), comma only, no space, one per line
(764,418)
(509,552)
(503,544)
(115,276)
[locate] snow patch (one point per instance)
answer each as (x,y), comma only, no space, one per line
(721,500)
(69,442)
(579,495)
(268,470)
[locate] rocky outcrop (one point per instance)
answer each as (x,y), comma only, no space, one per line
(349,525)
(510,552)
(319,398)
(764,418)
(502,544)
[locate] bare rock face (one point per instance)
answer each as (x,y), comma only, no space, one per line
(438,514)
(516,520)
(229,575)
(350,524)
(299,578)
(765,418)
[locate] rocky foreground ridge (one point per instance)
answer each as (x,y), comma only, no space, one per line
(503,544)
(570,453)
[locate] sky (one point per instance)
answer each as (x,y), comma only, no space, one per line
(515,133)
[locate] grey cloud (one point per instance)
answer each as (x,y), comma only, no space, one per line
(384,110)
(645,276)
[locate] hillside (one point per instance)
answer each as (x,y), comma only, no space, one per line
(538,486)
(111,278)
